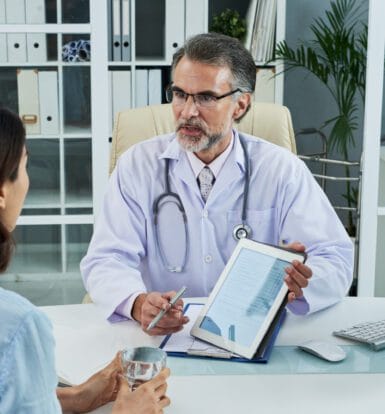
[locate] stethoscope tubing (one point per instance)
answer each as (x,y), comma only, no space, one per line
(240,231)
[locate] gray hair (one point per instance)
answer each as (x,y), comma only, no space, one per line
(219,50)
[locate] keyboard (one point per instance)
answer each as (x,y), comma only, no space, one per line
(371,333)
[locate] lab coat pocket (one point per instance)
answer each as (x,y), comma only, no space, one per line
(263,223)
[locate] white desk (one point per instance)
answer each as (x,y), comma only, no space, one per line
(292,381)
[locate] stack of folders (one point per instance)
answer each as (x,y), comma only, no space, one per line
(148,89)
(22,47)
(182,20)
(119,16)
(38,101)
(261,18)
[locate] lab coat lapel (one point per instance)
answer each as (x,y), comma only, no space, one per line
(233,170)
(180,168)
(184,172)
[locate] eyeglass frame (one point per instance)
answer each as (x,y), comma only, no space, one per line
(171,89)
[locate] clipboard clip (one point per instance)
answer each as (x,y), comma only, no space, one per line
(203,353)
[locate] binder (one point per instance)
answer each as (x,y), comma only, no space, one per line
(3,48)
(3,36)
(15,11)
(116,31)
(28,96)
(109,28)
(17,47)
(16,42)
(262,355)
(36,42)
(121,91)
(141,88)
(174,27)
(49,102)
(125,29)
(265,85)
(195,17)
(154,86)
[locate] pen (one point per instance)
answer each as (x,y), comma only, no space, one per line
(160,315)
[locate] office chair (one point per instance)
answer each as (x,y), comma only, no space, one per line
(269,121)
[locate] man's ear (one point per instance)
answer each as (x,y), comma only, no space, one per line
(3,192)
(242,105)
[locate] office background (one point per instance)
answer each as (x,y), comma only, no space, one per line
(128,66)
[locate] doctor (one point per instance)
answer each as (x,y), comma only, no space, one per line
(176,203)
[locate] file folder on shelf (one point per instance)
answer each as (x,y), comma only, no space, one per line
(49,102)
(195,17)
(16,42)
(174,27)
(15,11)
(120,92)
(141,88)
(36,42)
(116,31)
(125,30)
(182,344)
(28,94)
(3,36)
(17,47)
(154,86)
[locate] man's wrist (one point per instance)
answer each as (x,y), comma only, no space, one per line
(137,307)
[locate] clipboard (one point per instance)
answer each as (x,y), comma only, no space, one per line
(206,350)
(246,298)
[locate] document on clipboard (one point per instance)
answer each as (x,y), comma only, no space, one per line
(182,344)
(245,309)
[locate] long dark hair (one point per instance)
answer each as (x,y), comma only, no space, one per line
(12,141)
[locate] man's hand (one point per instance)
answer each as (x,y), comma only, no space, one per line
(149,398)
(297,275)
(98,390)
(147,306)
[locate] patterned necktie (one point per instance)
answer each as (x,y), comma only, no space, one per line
(206,181)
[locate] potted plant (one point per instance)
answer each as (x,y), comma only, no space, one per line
(337,57)
(229,23)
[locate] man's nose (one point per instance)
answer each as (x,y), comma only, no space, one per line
(190,108)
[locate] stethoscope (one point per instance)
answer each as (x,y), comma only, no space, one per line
(240,231)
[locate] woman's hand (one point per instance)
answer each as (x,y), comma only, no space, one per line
(149,398)
(98,390)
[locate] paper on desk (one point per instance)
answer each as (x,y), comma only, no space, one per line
(81,354)
(185,343)
(81,351)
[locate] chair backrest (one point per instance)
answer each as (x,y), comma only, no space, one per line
(271,122)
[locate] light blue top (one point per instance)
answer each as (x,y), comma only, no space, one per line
(27,367)
(285,203)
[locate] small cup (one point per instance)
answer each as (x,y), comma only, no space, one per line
(142,364)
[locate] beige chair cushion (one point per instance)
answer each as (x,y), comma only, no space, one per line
(265,120)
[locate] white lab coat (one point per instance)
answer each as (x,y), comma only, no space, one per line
(285,203)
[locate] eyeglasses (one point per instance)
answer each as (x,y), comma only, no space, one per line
(203,100)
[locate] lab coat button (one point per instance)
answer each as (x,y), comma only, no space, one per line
(205,213)
(208,258)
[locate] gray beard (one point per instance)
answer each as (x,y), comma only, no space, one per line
(204,143)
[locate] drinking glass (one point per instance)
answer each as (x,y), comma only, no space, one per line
(140,364)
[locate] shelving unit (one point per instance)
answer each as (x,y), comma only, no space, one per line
(69,170)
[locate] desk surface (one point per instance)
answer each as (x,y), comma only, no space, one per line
(85,342)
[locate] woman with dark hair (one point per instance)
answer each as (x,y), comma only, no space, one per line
(27,371)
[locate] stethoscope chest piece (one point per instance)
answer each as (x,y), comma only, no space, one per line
(242,231)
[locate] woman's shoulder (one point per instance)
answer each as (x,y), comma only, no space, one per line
(16,311)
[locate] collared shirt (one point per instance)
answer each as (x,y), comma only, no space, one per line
(215,165)
(285,203)
(27,366)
